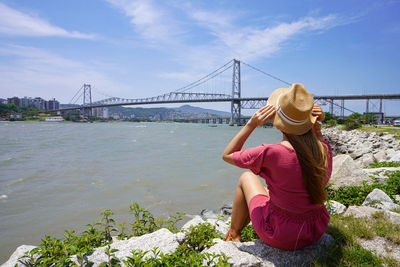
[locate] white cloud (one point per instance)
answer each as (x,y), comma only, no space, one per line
(250,42)
(36,72)
(232,39)
(150,21)
(14,22)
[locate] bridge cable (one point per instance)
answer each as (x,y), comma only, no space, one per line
(194,83)
(188,87)
(263,72)
(76,95)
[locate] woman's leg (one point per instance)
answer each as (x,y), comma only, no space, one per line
(249,186)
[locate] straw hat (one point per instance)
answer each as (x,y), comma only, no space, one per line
(293,109)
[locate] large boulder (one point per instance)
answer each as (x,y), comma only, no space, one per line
(334,207)
(193,222)
(163,239)
(271,256)
(237,257)
(380,156)
(378,199)
(18,253)
(345,172)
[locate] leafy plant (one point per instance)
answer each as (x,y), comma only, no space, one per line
(355,195)
(248,234)
(189,253)
(200,236)
(145,223)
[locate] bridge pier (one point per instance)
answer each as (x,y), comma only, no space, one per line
(236,88)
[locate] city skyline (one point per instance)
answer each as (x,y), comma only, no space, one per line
(135,49)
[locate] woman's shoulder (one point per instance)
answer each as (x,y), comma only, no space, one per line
(277,148)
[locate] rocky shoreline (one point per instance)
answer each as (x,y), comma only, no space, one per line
(363,147)
(353,150)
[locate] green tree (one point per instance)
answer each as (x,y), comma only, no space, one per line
(353,121)
(328,117)
(370,118)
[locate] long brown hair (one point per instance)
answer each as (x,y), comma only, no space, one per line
(313,160)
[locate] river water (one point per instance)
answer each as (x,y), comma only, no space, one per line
(58,176)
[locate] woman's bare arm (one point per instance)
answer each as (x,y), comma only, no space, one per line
(317,111)
(236,144)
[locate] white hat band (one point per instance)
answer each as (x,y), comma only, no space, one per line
(286,117)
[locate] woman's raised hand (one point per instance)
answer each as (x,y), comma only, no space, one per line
(317,112)
(262,115)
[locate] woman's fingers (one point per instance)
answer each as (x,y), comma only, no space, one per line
(317,112)
(262,115)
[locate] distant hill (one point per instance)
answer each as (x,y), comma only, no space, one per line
(197,110)
(183,112)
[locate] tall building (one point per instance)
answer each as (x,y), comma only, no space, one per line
(53,104)
(39,103)
(13,100)
(26,101)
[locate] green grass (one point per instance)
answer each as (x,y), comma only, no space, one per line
(346,251)
(381,129)
(355,195)
(383,164)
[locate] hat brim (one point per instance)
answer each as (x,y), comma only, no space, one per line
(281,124)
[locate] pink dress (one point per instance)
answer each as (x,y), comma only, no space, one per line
(287,219)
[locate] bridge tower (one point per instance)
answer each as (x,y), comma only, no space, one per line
(87,100)
(236,88)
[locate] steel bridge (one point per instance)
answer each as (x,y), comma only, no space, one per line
(234,97)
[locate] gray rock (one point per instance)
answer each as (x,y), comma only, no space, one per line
(397,198)
(367,159)
(394,217)
(208,214)
(335,207)
(180,237)
(226,209)
(195,221)
(396,156)
(387,138)
(364,211)
(18,253)
(361,149)
(378,199)
(346,172)
(162,239)
(360,211)
(277,257)
(382,247)
(390,153)
(221,226)
(237,257)
(380,156)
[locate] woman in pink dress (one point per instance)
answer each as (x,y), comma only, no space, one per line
(289,213)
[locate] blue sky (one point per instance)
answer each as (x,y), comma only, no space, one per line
(136,49)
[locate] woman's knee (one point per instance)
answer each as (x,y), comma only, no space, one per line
(246,177)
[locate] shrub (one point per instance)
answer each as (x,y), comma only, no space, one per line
(351,125)
(340,121)
(249,234)
(331,123)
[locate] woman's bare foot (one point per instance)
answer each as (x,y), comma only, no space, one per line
(232,235)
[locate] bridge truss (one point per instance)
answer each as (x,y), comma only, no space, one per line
(187,95)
